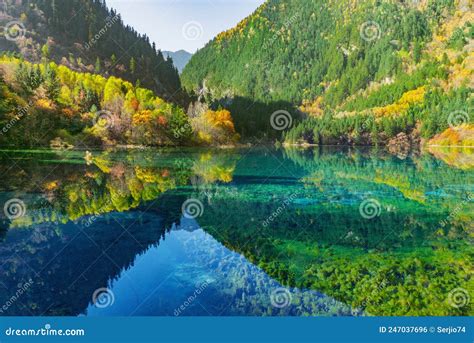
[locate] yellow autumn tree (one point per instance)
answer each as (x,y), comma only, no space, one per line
(215,128)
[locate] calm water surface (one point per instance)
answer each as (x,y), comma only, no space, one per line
(256,231)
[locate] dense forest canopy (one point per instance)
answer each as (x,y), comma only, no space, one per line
(364,70)
(63,109)
(72,74)
(88,36)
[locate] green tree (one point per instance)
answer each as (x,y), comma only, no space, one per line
(132,65)
(52,84)
(97,67)
(417,51)
(45,52)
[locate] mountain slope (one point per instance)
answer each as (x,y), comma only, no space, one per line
(86,36)
(351,63)
(49,104)
(46,104)
(180,58)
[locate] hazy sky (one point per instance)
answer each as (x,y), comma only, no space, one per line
(183,24)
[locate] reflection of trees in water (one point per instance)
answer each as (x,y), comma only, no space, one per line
(72,212)
(349,259)
(248,289)
(110,183)
(69,262)
(320,241)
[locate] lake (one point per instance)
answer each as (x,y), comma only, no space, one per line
(253,231)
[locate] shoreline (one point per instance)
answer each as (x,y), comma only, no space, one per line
(308,145)
(221,147)
(226,147)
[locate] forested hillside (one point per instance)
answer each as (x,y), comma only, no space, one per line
(348,72)
(86,36)
(73,75)
(47,104)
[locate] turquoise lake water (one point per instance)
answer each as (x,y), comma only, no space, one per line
(256,231)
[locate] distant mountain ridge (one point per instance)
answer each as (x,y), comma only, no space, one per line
(180,58)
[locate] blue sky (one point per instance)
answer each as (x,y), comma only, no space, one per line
(183,24)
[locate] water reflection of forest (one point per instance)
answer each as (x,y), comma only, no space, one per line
(405,261)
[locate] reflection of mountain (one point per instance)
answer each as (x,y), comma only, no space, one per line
(68,263)
(296,215)
(398,263)
(405,260)
(108,253)
(230,285)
